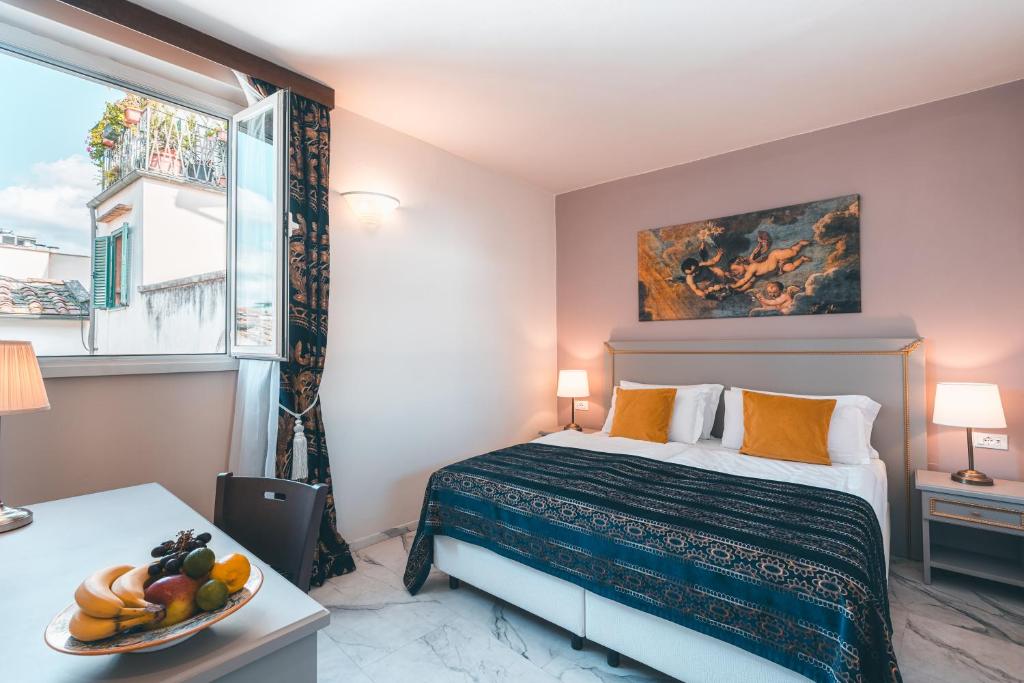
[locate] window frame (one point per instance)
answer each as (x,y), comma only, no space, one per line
(280,104)
(49,53)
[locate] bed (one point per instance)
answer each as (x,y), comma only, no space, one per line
(626,620)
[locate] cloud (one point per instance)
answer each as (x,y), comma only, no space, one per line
(835,290)
(841,230)
(50,204)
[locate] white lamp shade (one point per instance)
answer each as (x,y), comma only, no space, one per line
(21,383)
(573,384)
(371,207)
(965,404)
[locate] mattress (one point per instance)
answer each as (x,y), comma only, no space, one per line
(865,481)
(757,554)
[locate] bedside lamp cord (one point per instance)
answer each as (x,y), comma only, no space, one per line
(300,468)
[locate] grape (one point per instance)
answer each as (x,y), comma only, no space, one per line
(155,569)
(165,560)
(172,566)
(204,537)
(192,545)
(159,551)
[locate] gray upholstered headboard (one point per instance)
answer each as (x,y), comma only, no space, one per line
(891,371)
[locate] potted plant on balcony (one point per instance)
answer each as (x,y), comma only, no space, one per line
(164,138)
(132,105)
(103,137)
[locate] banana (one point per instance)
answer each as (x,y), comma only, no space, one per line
(94,596)
(87,628)
(130,587)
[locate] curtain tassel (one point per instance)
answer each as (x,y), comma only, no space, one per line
(300,447)
(300,470)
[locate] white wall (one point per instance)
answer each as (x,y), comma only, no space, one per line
(442,327)
(23,262)
(442,346)
(28,262)
(71,267)
(50,336)
(184,230)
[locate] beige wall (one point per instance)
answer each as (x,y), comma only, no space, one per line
(108,432)
(942,196)
(442,327)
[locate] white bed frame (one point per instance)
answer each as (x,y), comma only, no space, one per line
(889,370)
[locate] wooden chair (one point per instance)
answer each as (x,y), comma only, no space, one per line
(276,519)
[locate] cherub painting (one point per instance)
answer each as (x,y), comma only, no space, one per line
(795,260)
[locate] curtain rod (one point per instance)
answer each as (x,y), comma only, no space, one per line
(186,38)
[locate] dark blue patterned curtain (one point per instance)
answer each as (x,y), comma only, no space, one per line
(309,269)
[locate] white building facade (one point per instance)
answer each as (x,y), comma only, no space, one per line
(158,280)
(43,295)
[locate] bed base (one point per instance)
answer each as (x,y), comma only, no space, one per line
(660,644)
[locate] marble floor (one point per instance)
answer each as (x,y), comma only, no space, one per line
(957,630)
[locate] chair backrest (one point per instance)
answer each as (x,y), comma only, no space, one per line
(276,519)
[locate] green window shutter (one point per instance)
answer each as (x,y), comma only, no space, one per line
(101,292)
(126,263)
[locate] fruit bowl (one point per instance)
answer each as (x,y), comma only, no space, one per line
(59,638)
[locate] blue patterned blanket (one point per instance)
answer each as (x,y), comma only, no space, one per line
(795,574)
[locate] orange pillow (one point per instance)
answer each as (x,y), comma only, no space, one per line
(643,413)
(786,428)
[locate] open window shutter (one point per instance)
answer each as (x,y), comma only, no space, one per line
(100,267)
(258,227)
(126,264)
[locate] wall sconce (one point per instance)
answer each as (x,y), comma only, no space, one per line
(370,207)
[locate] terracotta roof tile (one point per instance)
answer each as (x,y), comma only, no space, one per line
(35,296)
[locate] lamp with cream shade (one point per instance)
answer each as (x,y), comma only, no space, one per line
(970,405)
(21,391)
(573,384)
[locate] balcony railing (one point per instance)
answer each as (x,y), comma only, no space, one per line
(171,143)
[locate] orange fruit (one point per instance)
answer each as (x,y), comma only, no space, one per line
(233,570)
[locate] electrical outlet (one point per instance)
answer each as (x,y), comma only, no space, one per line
(999,442)
(582,404)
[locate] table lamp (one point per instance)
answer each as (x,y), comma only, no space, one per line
(21,391)
(572,384)
(964,404)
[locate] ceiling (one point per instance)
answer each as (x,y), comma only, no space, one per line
(570,93)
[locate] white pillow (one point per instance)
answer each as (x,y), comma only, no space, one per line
(849,431)
(687,413)
(713,391)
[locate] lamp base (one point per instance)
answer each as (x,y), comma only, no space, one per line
(572,425)
(973,477)
(13,518)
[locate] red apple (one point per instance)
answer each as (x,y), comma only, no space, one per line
(178,594)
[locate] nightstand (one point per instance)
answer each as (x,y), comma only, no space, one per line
(989,523)
(586,430)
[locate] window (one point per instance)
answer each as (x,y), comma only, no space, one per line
(111,269)
(259,189)
(114,220)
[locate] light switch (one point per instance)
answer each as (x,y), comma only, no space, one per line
(999,442)
(582,404)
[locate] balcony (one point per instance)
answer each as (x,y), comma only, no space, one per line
(165,141)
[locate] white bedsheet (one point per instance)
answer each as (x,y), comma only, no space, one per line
(867,481)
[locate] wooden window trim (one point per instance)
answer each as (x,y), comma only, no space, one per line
(184,37)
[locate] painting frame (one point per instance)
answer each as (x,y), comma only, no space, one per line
(795,260)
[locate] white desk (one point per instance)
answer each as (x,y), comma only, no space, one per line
(273,638)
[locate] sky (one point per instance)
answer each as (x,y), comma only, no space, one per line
(46,176)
